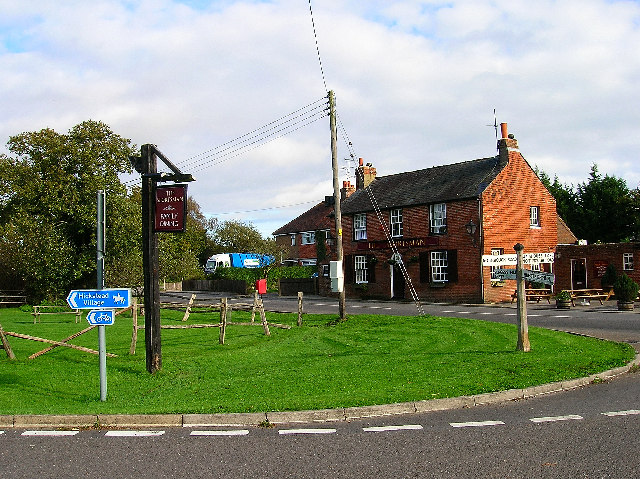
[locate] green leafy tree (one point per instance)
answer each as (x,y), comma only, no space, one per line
(48,188)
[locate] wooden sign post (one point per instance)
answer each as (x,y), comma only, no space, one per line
(523,328)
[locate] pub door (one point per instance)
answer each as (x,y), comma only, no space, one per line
(578,273)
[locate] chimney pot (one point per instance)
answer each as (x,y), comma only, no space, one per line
(503,130)
(360,161)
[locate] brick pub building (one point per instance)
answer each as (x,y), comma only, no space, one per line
(438,223)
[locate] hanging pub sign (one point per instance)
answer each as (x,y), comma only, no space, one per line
(171,209)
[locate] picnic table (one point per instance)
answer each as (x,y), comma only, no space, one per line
(536,294)
(588,294)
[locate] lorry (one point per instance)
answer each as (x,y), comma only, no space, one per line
(236,260)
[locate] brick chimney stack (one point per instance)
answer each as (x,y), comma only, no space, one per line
(506,143)
(347,190)
(364,175)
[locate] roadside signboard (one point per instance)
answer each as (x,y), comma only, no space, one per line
(99,298)
(505,273)
(171,209)
(527,274)
(101,317)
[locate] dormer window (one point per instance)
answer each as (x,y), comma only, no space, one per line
(438,218)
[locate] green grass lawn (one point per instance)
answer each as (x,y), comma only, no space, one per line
(323,364)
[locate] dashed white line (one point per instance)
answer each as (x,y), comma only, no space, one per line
(486,314)
(392,428)
(307,431)
(232,432)
(50,433)
(134,433)
(569,417)
(476,423)
(561,316)
(629,412)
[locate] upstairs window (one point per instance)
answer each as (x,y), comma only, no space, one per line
(627,261)
(293,240)
(360,227)
(396,223)
(308,237)
(438,218)
(534,216)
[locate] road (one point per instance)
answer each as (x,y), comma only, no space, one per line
(590,432)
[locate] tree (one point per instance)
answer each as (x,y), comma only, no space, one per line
(48,190)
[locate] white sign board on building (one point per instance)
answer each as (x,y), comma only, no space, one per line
(511,259)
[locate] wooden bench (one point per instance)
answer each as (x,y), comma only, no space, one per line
(10,299)
(589,294)
(536,294)
(40,310)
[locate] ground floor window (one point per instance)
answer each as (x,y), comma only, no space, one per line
(627,261)
(361,269)
(439,266)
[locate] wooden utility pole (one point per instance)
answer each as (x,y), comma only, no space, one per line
(523,328)
(336,197)
(150,262)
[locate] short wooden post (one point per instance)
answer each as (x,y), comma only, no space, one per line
(134,334)
(5,344)
(255,306)
(78,316)
(189,306)
(263,316)
(223,319)
(300,293)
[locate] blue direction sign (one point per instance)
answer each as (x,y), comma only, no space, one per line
(99,298)
(101,317)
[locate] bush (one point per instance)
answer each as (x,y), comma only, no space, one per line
(563,295)
(609,277)
(251,275)
(625,289)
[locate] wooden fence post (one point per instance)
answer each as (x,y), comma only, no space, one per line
(263,316)
(5,344)
(134,334)
(300,293)
(223,319)
(189,306)
(255,305)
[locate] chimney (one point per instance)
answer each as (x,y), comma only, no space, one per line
(506,143)
(364,175)
(347,190)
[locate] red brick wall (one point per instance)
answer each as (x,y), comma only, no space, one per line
(505,205)
(594,255)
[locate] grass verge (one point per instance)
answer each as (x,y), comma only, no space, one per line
(365,360)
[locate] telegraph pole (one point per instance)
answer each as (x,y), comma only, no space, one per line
(336,196)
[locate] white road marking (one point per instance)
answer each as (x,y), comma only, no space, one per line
(307,431)
(476,423)
(629,412)
(134,433)
(570,417)
(392,428)
(486,314)
(50,433)
(232,432)
(561,316)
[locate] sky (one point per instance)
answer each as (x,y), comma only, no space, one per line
(234,92)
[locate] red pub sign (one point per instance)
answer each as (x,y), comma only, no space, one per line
(171,209)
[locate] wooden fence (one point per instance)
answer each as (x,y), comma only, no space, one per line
(220,285)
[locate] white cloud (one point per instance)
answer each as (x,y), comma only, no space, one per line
(416,84)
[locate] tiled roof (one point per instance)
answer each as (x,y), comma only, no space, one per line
(458,181)
(316,218)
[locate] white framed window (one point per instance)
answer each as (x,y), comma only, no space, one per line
(536,267)
(534,216)
(361,269)
(396,222)
(627,261)
(308,237)
(439,266)
(495,252)
(293,239)
(438,218)
(360,226)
